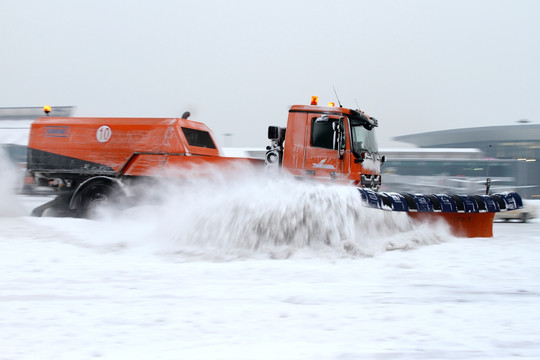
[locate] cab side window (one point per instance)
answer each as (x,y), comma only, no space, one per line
(322,134)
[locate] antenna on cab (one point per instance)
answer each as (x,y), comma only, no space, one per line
(339,102)
(357,105)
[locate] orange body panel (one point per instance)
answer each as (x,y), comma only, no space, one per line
(181,166)
(118,143)
(461,224)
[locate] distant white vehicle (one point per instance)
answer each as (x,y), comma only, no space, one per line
(527,212)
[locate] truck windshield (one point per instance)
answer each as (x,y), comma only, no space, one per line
(362,138)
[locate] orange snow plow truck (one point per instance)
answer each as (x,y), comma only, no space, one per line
(91,160)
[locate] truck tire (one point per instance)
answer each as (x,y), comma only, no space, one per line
(95,198)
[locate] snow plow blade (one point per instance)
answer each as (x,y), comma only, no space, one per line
(467,215)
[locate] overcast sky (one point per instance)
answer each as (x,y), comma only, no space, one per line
(238,65)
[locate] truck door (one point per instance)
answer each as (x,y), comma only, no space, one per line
(324,156)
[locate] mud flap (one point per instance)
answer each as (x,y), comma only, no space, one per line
(60,206)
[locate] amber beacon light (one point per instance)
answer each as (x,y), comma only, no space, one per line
(314,100)
(47,109)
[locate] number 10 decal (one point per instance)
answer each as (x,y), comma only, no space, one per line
(103,134)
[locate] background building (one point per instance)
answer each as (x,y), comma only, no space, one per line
(514,150)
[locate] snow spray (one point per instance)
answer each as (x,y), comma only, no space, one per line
(249,215)
(10,178)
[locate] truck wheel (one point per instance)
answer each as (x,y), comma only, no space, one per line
(95,199)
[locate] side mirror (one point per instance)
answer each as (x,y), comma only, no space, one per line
(338,137)
(276,134)
(273,132)
(383,159)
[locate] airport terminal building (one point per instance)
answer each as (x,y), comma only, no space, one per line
(510,153)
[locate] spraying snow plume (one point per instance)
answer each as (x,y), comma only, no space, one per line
(249,215)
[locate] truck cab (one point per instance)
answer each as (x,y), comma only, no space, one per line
(327,143)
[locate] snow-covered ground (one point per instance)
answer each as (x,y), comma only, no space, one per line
(262,270)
